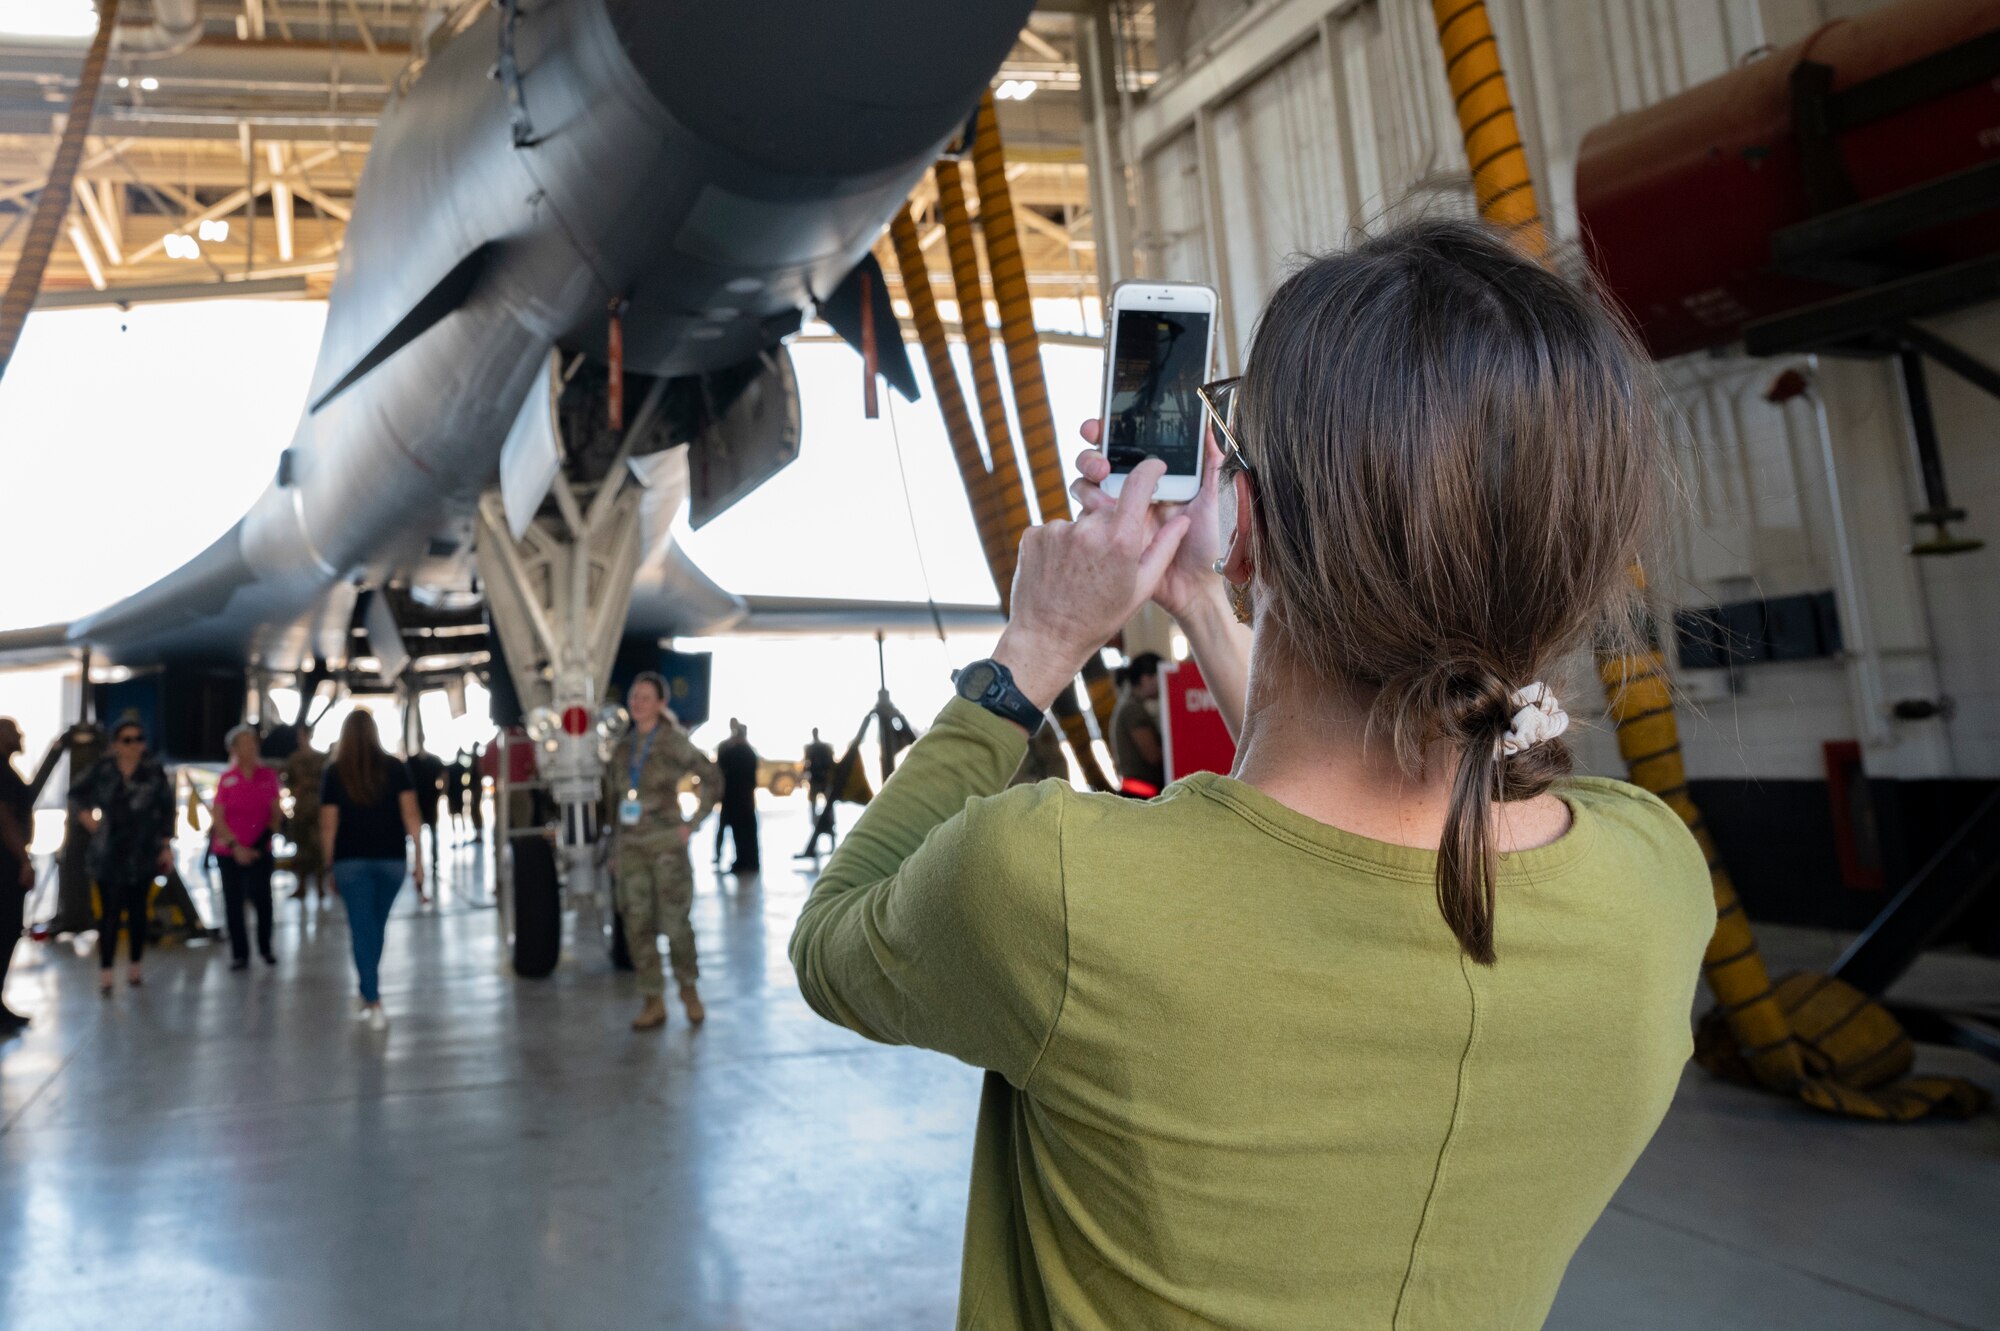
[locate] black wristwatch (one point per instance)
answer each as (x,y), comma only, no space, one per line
(991,685)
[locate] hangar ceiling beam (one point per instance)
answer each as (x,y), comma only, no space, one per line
(170,292)
(229,204)
(13,193)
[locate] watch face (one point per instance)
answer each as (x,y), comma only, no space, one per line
(975,679)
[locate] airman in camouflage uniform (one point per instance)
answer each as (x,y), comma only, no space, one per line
(655,877)
(304,772)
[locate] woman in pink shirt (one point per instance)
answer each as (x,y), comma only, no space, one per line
(246,813)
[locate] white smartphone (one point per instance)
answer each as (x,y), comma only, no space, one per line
(1160,341)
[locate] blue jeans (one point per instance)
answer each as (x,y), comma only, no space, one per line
(369,888)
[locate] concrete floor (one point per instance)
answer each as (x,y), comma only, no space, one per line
(226,1150)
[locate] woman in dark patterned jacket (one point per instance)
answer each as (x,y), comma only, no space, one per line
(126,802)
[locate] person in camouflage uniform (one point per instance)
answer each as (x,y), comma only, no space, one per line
(655,877)
(304,771)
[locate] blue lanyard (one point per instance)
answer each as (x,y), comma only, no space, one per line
(639,760)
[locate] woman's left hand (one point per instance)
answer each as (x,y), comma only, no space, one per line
(1078,583)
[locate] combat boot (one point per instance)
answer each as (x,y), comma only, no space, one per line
(692,1002)
(652,1016)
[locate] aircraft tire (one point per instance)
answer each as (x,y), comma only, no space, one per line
(537,909)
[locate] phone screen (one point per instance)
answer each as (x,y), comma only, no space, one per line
(1158,358)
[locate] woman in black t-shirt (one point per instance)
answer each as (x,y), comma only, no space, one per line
(368,812)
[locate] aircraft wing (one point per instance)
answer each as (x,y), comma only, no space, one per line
(788,616)
(673,598)
(47,644)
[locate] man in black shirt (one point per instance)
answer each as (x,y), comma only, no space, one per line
(738,762)
(819,767)
(427,778)
(819,794)
(17,870)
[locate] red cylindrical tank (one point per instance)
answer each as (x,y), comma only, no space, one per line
(1678,201)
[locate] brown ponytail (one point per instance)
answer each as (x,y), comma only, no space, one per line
(1467,860)
(1456,462)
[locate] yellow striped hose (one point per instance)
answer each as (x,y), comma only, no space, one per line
(1808,1035)
(53,203)
(1011,501)
(999,512)
(1641,706)
(1017,316)
(1501,179)
(1009,273)
(987,516)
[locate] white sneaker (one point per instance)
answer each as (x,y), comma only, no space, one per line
(378,1020)
(360,1010)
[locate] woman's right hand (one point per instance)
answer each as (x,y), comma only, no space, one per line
(1189,590)
(1190,581)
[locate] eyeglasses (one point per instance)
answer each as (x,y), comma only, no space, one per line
(1219,399)
(130,739)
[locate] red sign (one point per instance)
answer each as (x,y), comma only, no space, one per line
(1191,726)
(520,758)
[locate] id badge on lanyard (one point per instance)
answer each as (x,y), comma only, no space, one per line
(630,810)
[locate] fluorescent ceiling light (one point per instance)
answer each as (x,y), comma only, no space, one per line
(47,18)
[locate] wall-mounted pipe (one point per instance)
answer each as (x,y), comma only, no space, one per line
(1863,656)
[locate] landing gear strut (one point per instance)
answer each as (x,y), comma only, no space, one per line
(559,587)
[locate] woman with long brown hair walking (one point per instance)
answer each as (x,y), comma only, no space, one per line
(368,816)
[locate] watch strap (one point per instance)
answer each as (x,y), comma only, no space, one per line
(1001,696)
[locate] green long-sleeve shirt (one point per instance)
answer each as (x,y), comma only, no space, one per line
(1240,1074)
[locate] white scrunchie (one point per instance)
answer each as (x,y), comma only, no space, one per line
(1537,717)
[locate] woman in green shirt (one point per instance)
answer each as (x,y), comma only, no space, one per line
(1366,1033)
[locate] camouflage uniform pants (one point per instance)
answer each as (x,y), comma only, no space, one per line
(655,892)
(307,861)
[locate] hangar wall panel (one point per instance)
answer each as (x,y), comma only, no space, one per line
(1173,238)
(1292,125)
(1278,160)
